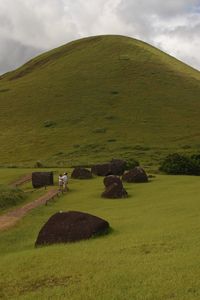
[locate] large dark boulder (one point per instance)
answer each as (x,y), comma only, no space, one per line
(137,175)
(110,179)
(71,226)
(101,169)
(118,166)
(81,173)
(40,179)
(114,188)
(115,167)
(114,191)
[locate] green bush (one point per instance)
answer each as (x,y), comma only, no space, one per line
(181,164)
(49,123)
(99,130)
(38,164)
(131,163)
(196,157)
(10,197)
(141,147)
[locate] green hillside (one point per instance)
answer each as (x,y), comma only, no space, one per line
(98,98)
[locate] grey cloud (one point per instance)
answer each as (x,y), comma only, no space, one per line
(13,54)
(29,27)
(167,9)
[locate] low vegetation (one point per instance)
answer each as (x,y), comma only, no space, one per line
(131,164)
(181,164)
(10,197)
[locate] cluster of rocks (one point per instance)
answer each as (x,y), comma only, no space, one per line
(111,171)
(72,226)
(114,186)
(115,167)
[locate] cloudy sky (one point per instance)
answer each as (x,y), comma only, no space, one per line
(29,27)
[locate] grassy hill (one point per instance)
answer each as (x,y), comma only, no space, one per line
(98,98)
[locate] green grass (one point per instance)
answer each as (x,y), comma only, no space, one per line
(151,254)
(93,91)
(10,197)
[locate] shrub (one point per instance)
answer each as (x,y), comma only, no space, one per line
(141,147)
(110,117)
(38,164)
(180,164)
(196,157)
(49,123)
(4,90)
(99,130)
(10,196)
(186,147)
(114,92)
(131,163)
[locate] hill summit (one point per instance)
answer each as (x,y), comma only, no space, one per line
(97,98)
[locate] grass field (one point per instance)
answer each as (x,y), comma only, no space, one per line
(152,252)
(95,99)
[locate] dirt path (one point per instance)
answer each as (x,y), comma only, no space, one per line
(12,217)
(21,180)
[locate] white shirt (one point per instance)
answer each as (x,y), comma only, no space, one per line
(65,178)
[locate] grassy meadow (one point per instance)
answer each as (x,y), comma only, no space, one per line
(152,252)
(95,99)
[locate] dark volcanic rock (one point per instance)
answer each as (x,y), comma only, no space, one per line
(118,166)
(114,191)
(115,167)
(113,188)
(81,173)
(101,169)
(40,179)
(110,179)
(135,175)
(72,226)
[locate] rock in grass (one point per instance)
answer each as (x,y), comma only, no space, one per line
(81,173)
(71,226)
(118,166)
(111,179)
(101,169)
(40,179)
(115,167)
(114,188)
(137,175)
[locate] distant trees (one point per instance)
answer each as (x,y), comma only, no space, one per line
(181,164)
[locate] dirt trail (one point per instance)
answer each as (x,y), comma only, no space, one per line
(11,218)
(21,180)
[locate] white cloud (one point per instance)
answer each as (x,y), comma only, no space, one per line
(29,27)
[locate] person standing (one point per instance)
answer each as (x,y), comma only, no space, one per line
(60,182)
(65,182)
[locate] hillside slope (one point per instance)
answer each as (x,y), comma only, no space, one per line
(97,98)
